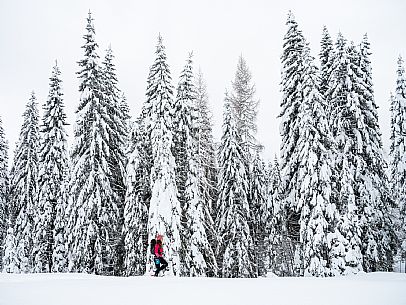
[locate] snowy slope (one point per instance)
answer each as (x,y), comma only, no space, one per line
(82,289)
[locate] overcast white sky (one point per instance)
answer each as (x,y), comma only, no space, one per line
(33,34)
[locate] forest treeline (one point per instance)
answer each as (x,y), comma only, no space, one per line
(330,204)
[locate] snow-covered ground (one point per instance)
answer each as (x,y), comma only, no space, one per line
(83,289)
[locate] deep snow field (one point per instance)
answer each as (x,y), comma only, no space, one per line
(84,289)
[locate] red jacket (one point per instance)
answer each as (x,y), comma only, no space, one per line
(158,250)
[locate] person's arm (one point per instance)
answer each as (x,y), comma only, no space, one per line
(156,250)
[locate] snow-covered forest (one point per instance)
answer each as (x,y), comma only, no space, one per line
(331,203)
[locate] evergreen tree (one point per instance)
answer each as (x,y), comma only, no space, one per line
(184,149)
(3,188)
(138,195)
(207,158)
(199,258)
(347,125)
(292,81)
(137,200)
(206,145)
(24,187)
(245,110)
(376,202)
(314,177)
(117,111)
(164,209)
(53,169)
(235,241)
(93,208)
(398,151)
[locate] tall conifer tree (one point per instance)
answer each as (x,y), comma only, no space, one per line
(164,209)
(184,149)
(93,209)
(235,247)
(245,111)
(24,187)
(199,258)
(206,146)
(376,202)
(292,81)
(53,170)
(207,164)
(317,214)
(347,126)
(117,111)
(137,200)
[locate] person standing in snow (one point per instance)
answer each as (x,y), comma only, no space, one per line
(160,262)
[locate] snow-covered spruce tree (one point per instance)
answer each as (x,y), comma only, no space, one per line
(314,176)
(235,246)
(137,199)
(398,152)
(347,125)
(24,186)
(207,160)
(164,210)
(3,188)
(327,55)
(93,207)
(184,148)
(117,111)
(138,184)
(292,78)
(53,170)
(260,214)
(376,203)
(245,110)
(207,155)
(198,258)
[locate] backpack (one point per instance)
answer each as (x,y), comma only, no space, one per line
(152,246)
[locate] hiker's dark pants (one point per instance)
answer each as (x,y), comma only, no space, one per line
(161,265)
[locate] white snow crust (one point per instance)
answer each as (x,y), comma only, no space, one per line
(84,289)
